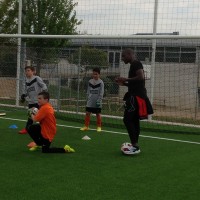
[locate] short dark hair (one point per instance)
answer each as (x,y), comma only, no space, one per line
(96,69)
(128,51)
(30,67)
(45,95)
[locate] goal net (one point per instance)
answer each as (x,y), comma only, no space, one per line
(176,87)
(165,40)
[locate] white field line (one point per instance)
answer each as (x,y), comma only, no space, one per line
(118,117)
(121,133)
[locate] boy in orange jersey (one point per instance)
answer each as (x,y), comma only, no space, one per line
(44,132)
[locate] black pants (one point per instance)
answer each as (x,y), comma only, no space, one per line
(35,133)
(30,121)
(132,120)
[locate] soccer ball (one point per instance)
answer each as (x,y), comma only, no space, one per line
(126,148)
(34,111)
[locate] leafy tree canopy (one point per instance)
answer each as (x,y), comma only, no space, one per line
(51,17)
(90,58)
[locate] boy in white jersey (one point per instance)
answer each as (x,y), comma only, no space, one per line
(95,92)
(32,87)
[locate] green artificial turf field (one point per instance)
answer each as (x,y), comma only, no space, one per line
(165,169)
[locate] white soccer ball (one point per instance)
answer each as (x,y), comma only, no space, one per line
(127,148)
(35,111)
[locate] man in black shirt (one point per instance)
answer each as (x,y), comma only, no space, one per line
(137,104)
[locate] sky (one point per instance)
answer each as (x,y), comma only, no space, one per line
(127,17)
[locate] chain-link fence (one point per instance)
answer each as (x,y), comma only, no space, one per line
(66,71)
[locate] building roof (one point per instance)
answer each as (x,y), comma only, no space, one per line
(136,42)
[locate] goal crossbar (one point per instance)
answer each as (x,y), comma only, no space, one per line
(99,36)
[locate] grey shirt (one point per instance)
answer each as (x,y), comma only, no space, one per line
(32,87)
(95,92)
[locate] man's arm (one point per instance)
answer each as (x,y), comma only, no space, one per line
(139,76)
(39,116)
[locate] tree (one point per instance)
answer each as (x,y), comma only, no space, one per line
(8,61)
(40,17)
(90,58)
(46,17)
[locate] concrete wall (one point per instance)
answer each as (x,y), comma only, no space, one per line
(175,85)
(7,87)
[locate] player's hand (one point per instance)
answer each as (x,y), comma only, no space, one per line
(22,100)
(32,111)
(98,104)
(29,112)
(120,80)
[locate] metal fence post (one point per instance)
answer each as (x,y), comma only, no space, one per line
(78,87)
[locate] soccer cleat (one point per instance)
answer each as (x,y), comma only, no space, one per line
(98,129)
(23,131)
(85,128)
(131,151)
(135,150)
(68,149)
(35,148)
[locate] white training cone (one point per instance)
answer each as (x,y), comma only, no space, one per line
(86,138)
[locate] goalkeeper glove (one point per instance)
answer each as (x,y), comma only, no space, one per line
(98,104)
(29,113)
(23,98)
(32,111)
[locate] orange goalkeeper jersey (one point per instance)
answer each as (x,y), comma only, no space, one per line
(47,121)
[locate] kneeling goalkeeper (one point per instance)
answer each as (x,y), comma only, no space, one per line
(44,132)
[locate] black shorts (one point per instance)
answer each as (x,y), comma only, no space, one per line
(93,110)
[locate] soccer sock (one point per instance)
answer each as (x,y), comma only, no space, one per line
(98,120)
(87,120)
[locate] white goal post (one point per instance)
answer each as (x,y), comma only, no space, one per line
(164,90)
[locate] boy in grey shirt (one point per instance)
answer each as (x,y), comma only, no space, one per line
(32,87)
(95,92)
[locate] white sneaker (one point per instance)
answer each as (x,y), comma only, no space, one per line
(132,151)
